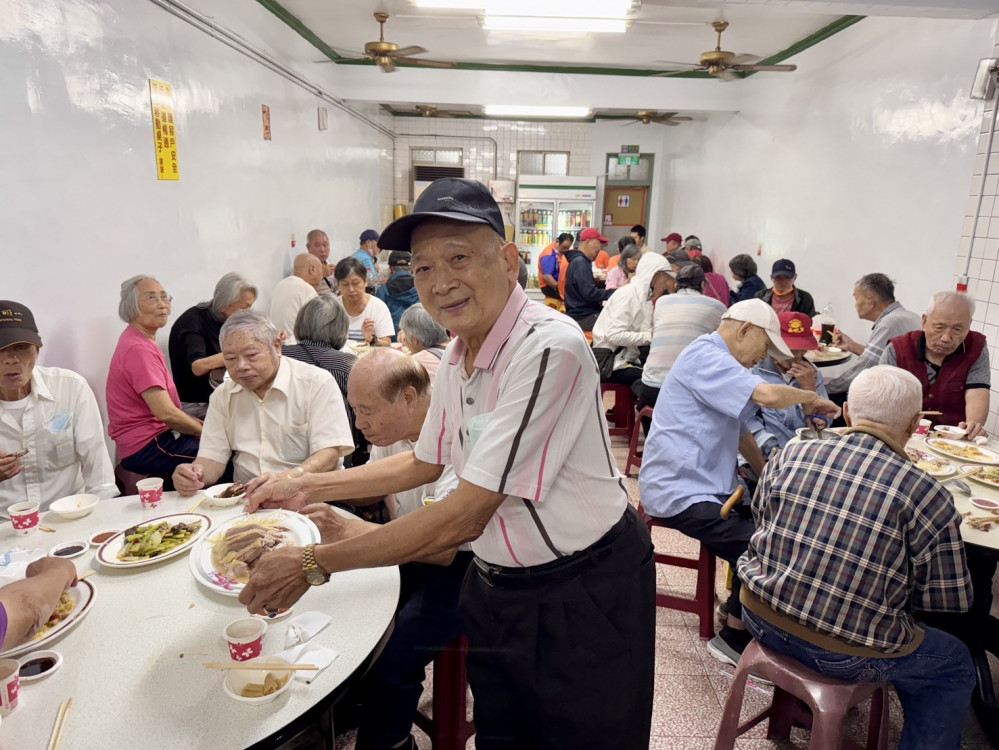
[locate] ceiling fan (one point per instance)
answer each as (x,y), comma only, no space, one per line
(431,110)
(387,54)
(646,118)
(722,64)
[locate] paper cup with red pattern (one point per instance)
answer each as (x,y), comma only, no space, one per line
(150,491)
(24,516)
(245,638)
(10,685)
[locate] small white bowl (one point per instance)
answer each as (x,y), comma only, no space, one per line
(213,492)
(55,656)
(81,545)
(984,503)
(74,506)
(95,542)
(950,431)
(237,679)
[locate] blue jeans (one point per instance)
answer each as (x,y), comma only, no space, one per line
(933,683)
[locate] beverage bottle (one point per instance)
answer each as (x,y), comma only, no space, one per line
(827,324)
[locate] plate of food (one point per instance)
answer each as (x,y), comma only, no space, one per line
(987,475)
(222,561)
(73,606)
(976,454)
(932,465)
(153,541)
(828,354)
(225,495)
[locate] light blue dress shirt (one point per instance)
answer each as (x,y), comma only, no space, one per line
(690,454)
(779,423)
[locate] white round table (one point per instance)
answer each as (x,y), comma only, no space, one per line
(133,666)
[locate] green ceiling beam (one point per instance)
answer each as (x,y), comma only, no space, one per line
(300,28)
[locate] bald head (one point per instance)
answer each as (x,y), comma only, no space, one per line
(308,268)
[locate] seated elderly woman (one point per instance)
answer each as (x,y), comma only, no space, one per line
(26,605)
(425,338)
(143,405)
(627,263)
(369,318)
(51,434)
(195,352)
(743,269)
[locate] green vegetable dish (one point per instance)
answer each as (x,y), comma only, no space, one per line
(153,540)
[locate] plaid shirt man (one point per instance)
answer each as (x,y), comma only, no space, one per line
(851,539)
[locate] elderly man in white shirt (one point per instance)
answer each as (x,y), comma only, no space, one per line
(51,434)
(292,292)
(276,415)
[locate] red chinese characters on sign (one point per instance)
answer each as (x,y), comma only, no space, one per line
(164,130)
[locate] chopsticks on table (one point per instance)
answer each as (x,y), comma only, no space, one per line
(961,475)
(197,504)
(60,724)
(85,575)
(261,667)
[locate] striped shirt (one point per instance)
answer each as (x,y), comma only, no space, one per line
(678,319)
(528,422)
(851,538)
(894,321)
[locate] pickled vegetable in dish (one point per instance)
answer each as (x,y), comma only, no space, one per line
(63,610)
(153,540)
(271,685)
(236,550)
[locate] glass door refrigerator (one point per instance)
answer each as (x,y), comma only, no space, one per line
(548,206)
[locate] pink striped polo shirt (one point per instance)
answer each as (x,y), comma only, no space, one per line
(528,422)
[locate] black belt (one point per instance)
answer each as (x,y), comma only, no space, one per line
(557,571)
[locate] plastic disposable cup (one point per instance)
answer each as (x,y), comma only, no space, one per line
(924,427)
(24,517)
(150,491)
(10,685)
(245,638)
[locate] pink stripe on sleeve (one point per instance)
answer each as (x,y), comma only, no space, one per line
(506,538)
(544,453)
(440,440)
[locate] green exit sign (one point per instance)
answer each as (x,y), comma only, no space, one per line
(631,161)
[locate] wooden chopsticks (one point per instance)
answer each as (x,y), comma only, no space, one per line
(86,575)
(60,724)
(961,475)
(261,667)
(931,413)
(197,504)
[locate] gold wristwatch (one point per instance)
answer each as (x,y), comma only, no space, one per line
(314,573)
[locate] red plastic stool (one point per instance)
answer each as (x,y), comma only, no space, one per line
(624,408)
(828,699)
(703,603)
(634,452)
(449,728)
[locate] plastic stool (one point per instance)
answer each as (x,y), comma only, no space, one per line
(828,699)
(624,408)
(634,452)
(449,728)
(703,603)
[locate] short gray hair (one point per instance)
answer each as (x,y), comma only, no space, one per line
(944,298)
(322,319)
(417,323)
(128,305)
(885,395)
(255,323)
(228,291)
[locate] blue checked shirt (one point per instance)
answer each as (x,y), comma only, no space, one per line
(851,538)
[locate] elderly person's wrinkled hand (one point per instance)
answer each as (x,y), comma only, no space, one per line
(10,466)
(824,408)
(805,374)
(270,491)
(276,582)
(368,330)
(332,525)
(187,479)
(55,566)
(974,429)
(844,342)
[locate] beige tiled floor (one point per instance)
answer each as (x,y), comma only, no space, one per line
(691,686)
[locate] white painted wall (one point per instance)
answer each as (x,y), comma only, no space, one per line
(857,162)
(82,208)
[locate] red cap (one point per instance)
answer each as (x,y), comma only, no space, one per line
(592,233)
(673,238)
(796,330)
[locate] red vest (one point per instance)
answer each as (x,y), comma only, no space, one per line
(947,393)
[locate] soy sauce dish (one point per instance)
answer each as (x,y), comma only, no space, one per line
(38,665)
(69,549)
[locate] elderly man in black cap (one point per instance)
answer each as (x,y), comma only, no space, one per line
(784,296)
(51,434)
(559,607)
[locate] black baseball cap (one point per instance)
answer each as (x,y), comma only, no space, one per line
(447,198)
(783,267)
(690,276)
(17,325)
(399,259)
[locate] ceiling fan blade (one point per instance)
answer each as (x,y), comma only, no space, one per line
(729,74)
(765,68)
(407,51)
(744,59)
(680,118)
(386,64)
(419,61)
(665,121)
(633,122)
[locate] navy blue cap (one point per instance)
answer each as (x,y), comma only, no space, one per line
(447,198)
(783,267)
(369,234)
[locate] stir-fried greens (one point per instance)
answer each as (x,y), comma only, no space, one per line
(153,540)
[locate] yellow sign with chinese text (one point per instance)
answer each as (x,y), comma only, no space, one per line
(164,130)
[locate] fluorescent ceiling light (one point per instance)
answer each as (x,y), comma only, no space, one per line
(565,8)
(553,24)
(516,110)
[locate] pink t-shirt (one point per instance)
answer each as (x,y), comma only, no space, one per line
(136,366)
(717,288)
(782,304)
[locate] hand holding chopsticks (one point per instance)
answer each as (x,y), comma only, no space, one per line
(60,724)
(261,667)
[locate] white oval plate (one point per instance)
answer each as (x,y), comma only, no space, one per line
(989,457)
(83,594)
(107,553)
(984,503)
(302,531)
(980,480)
